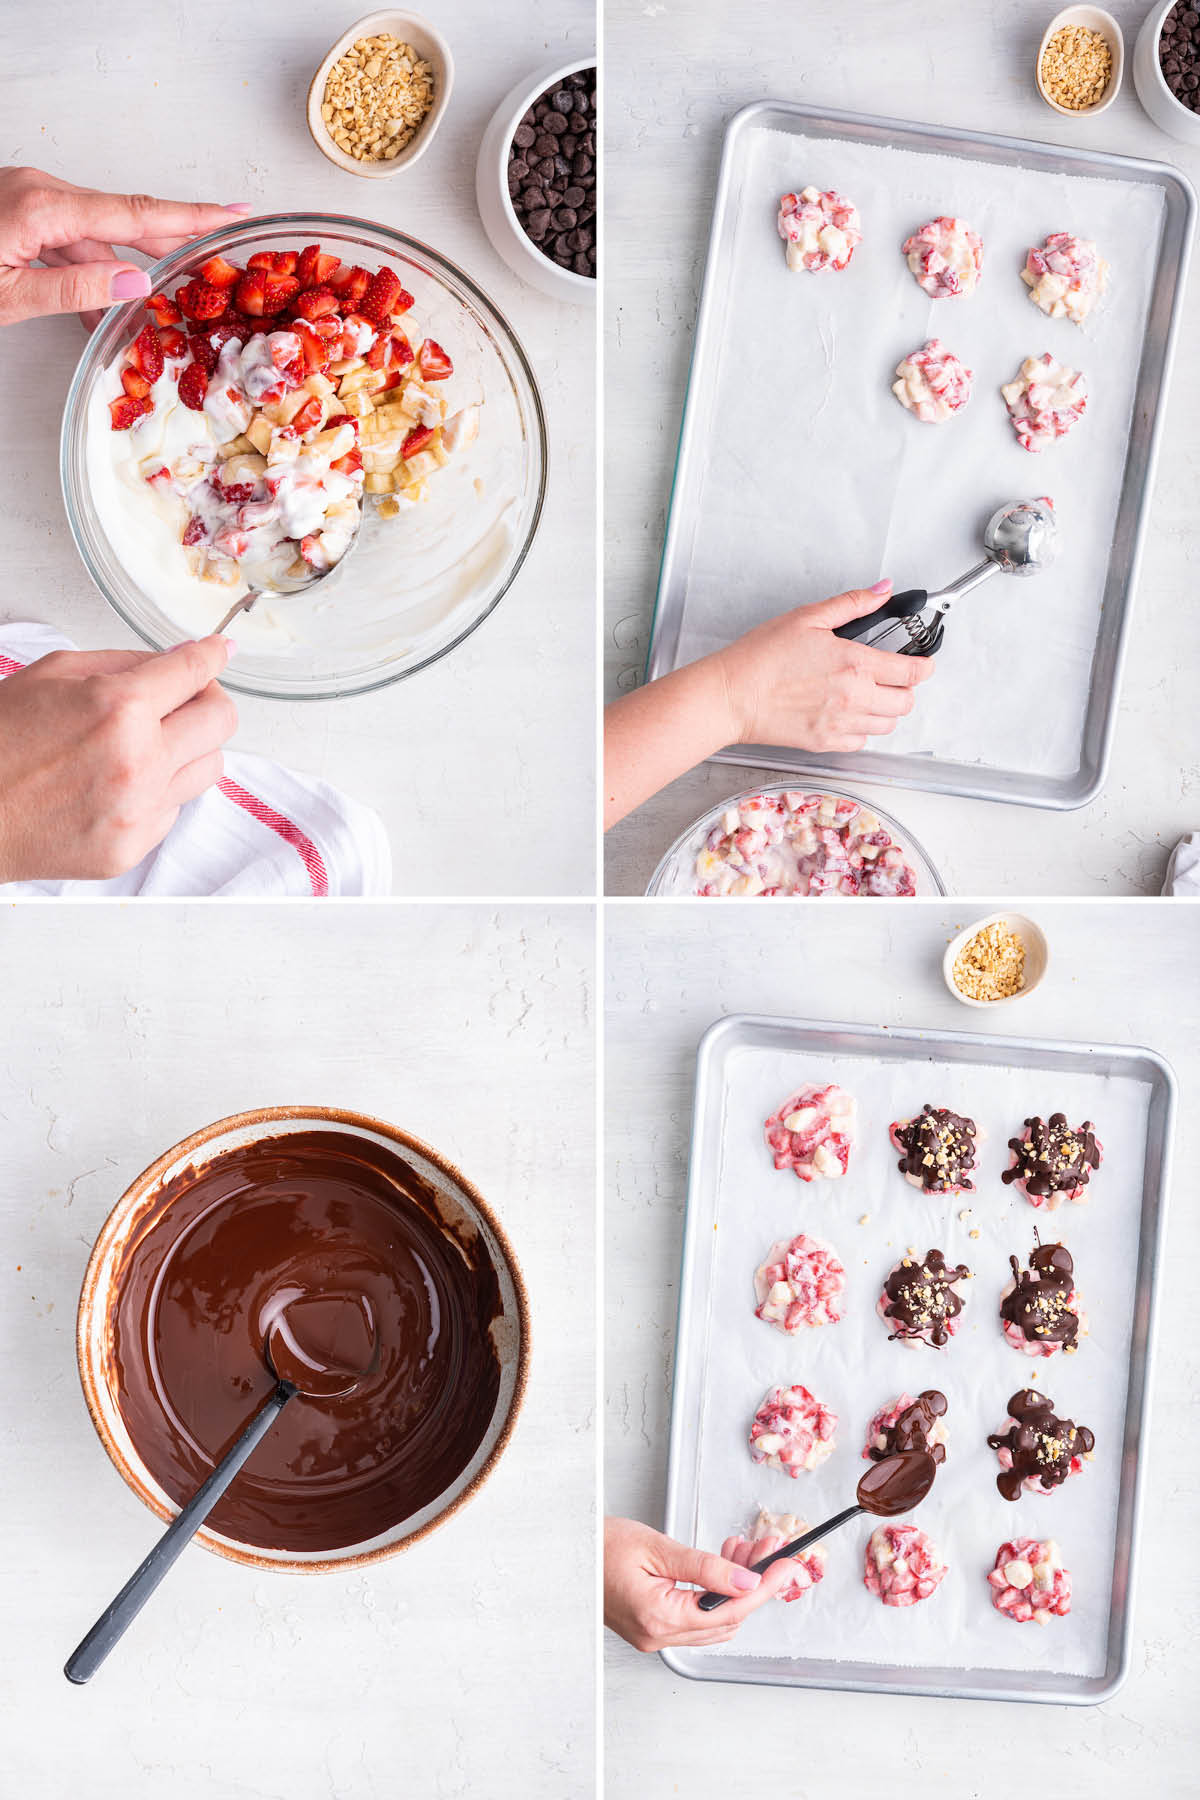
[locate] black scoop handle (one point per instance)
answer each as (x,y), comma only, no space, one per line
(710,1602)
(119,1615)
(900,606)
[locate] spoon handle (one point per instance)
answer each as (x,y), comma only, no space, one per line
(710,1602)
(116,1618)
(239,606)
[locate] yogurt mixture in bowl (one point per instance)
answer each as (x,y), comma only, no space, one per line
(232,447)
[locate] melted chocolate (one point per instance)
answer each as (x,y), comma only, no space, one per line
(284,1224)
(939,1147)
(1039,1303)
(921,1297)
(1053,1158)
(896,1484)
(912,1428)
(1040,1444)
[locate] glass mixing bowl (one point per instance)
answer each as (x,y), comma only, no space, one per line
(412,587)
(676,873)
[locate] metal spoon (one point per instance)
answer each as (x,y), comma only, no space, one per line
(289,585)
(298,1370)
(1020,539)
(893,1485)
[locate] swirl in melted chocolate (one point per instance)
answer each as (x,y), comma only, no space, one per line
(1039,1304)
(1040,1444)
(939,1148)
(912,1428)
(896,1484)
(920,1297)
(283,1227)
(1053,1158)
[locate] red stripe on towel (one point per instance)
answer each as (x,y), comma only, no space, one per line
(286,828)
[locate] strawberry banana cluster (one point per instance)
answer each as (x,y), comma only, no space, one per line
(267,400)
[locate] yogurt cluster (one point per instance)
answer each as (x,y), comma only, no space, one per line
(1030,1582)
(821,230)
(792,1431)
(1066,276)
(946,257)
(932,383)
(1045,401)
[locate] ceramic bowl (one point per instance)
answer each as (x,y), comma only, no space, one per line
(464,1210)
(428,42)
(1168,113)
(1037,956)
(1091,18)
(491,191)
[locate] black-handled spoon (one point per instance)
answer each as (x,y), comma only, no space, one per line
(297,1372)
(891,1486)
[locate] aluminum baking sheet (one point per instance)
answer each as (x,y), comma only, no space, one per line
(799,474)
(954,1644)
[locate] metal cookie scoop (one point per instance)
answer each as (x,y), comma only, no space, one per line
(1020,539)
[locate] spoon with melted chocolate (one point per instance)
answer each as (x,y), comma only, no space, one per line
(894,1485)
(317,1345)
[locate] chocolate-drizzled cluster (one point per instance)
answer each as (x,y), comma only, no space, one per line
(1053,1157)
(1040,1444)
(939,1148)
(919,1297)
(912,1428)
(1039,1305)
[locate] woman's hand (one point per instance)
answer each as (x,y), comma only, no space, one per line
(792,681)
(643,1605)
(73,231)
(98,752)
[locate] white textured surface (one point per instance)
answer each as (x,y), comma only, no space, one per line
(686,67)
(1116,974)
(214,110)
(463,1666)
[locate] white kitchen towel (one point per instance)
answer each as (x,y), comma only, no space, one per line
(1183,870)
(261,832)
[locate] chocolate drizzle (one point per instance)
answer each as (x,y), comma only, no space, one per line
(912,1428)
(1039,1304)
(920,1297)
(1040,1444)
(939,1148)
(1053,1158)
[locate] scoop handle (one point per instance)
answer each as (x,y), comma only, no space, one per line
(710,1602)
(872,624)
(119,1615)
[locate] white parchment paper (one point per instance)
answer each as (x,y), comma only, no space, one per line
(815,478)
(854,1368)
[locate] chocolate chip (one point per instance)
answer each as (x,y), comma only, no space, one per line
(544,170)
(581,265)
(574,196)
(555,122)
(564,220)
(552,173)
(544,144)
(563,100)
(538,223)
(581,165)
(523,137)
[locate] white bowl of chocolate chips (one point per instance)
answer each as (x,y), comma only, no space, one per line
(536,181)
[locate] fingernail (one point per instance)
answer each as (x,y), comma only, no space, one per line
(130,284)
(746,1580)
(230,647)
(239,206)
(883,587)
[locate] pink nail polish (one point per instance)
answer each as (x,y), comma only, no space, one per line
(239,206)
(230,647)
(883,587)
(130,284)
(746,1580)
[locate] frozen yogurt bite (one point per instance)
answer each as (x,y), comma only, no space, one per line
(1040,1309)
(1045,401)
(792,1431)
(908,1424)
(1037,1450)
(920,1299)
(932,383)
(812,1133)
(937,1150)
(945,257)
(1052,1161)
(1065,277)
(800,1284)
(808,1567)
(1029,1582)
(820,230)
(902,1566)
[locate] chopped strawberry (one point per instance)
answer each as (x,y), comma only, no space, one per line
(378,301)
(315,267)
(239,325)
(160,477)
(329,327)
(145,353)
(203,350)
(350,284)
(433,362)
(164,309)
(418,437)
(195,531)
(173,342)
(126,411)
(311,551)
(237,492)
(278,292)
(308,416)
(312,344)
(224,333)
(350,464)
(218,273)
(135,383)
(315,302)
(199,300)
(193,386)
(374,357)
(341,419)
(250,291)
(392,381)
(277,262)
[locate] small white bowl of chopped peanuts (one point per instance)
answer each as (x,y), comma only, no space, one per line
(1080,62)
(375,103)
(995,960)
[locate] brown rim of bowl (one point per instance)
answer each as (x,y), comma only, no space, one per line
(188,1146)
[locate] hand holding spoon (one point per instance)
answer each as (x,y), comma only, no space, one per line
(296,1355)
(893,1485)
